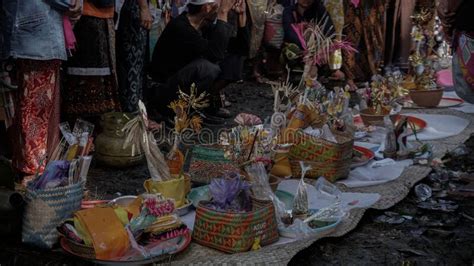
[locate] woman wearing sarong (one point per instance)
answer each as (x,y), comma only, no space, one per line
(132,51)
(364,27)
(33,34)
(399,26)
(91,83)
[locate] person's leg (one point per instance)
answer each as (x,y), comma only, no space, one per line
(35,114)
(405,41)
(131,56)
(232,68)
(90,87)
(201,72)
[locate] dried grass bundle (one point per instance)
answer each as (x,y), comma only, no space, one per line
(318,43)
(142,139)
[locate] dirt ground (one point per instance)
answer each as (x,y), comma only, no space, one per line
(403,235)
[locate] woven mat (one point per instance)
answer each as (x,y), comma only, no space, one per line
(391,192)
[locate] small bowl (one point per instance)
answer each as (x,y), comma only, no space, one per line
(123,200)
(185,209)
(426,98)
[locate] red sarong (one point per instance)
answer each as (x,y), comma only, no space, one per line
(37,114)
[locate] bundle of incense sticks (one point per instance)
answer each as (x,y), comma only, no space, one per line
(74,147)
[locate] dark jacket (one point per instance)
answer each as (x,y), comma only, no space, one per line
(180,44)
(239,42)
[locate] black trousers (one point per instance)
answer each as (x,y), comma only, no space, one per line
(201,72)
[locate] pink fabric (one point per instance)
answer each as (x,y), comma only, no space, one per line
(355,3)
(445,78)
(299,28)
(69,37)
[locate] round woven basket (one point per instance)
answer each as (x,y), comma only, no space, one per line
(370,118)
(328,159)
(46,209)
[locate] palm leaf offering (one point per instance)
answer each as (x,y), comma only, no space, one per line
(318,42)
(142,139)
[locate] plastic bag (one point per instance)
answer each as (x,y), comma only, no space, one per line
(230,193)
(327,192)
(56,172)
(327,134)
(262,190)
(300,203)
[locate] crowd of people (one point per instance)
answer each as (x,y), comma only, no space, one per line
(83,58)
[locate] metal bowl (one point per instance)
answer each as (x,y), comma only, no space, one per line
(123,200)
(185,209)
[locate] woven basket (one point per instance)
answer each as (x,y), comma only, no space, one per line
(45,210)
(235,232)
(327,159)
(274,33)
(208,162)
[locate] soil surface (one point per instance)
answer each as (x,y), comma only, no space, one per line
(403,235)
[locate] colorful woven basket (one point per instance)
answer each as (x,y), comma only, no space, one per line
(235,232)
(209,162)
(273,34)
(46,209)
(327,159)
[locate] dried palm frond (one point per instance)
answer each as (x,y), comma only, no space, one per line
(283,90)
(141,139)
(194,100)
(196,123)
(318,42)
(320,59)
(182,109)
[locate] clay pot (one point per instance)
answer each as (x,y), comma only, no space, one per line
(371,119)
(426,98)
(109,144)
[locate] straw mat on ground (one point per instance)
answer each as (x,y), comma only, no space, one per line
(391,192)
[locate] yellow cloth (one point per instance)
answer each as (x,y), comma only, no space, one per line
(282,167)
(299,118)
(134,207)
(82,231)
(172,189)
(103,228)
(163,224)
(122,214)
